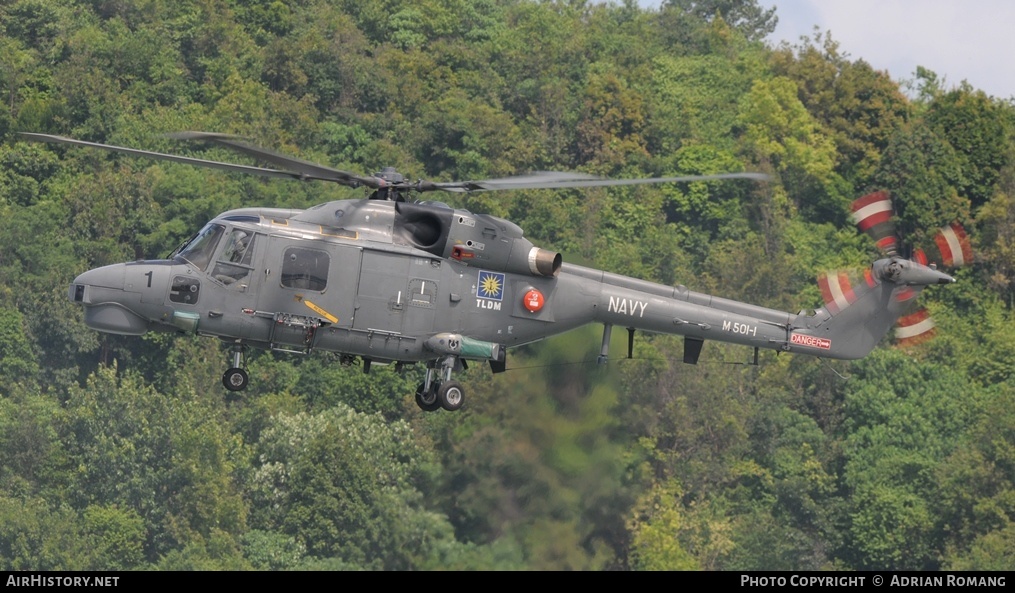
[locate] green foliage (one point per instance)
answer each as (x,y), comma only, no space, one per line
(610,129)
(34,457)
(745,15)
(979,129)
(268,550)
(117,537)
(923,172)
(996,220)
(36,536)
(903,419)
(779,130)
(164,458)
(347,486)
(690,24)
(541,462)
(655,529)
(17,361)
(862,108)
(976,503)
(695,100)
(463,139)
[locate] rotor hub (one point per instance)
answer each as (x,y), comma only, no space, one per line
(390,176)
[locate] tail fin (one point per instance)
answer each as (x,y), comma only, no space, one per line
(858,317)
(859,314)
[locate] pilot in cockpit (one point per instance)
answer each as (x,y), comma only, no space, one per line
(230,269)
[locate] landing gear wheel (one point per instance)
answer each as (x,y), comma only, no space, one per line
(427,400)
(451,395)
(235,379)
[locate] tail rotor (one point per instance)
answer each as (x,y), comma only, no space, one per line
(873,214)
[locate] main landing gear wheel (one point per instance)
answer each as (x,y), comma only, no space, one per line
(235,379)
(439,391)
(427,399)
(451,395)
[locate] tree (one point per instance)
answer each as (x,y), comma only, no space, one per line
(350,487)
(116,537)
(695,100)
(610,131)
(684,21)
(861,107)
(996,221)
(923,173)
(903,419)
(779,130)
(975,509)
(979,129)
(17,361)
(166,459)
(539,464)
(37,536)
(656,526)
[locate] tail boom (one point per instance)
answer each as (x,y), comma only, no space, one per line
(850,331)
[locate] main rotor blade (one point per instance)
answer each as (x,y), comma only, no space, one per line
(295,168)
(308,169)
(557,180)
(168,157)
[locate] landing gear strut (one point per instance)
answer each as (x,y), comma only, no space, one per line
(438,390)
(236,379)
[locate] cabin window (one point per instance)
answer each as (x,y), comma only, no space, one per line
(305,268)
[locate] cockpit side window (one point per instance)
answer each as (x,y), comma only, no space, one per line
(233,267)
(198,250)
(237,244)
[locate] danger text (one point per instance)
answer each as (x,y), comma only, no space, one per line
(811,341)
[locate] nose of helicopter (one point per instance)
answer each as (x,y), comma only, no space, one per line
(104,277)
(107,305)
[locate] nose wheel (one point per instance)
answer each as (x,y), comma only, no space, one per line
(236,379)
(439,390)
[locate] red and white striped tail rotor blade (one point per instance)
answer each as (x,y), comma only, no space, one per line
(905,293)
(837,291)
(914,328)
(920,257)
(873,215)
(953,243)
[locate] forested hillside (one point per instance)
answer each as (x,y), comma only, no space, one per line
(127,453)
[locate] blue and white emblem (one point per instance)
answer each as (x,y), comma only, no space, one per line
(490,286)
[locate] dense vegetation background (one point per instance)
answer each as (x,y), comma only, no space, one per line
(126,453)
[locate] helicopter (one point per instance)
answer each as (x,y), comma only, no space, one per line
(392,280)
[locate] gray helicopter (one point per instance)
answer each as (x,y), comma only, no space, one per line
(390,280)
